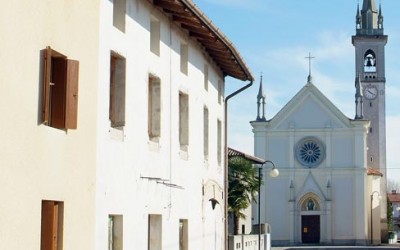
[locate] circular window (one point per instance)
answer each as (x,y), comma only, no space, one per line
(310,152)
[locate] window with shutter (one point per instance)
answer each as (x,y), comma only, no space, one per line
(60,90)
(154,108)
(117,91)
(183,121)
(51,225)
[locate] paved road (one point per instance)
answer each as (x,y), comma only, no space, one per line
(388,247)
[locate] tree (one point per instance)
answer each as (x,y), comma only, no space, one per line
(242,189)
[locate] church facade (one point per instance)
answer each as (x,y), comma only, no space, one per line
(332,184)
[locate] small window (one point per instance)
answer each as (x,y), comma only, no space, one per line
(183,235)
(52,225)
(184,58)
(115,232)
(369,61)
(205,132)
(183,121)
(206,77)
(155,232)
(155,36)
(220,91)
(154,106)
(119,11)
(370,130)
(117,91)
(60,90)
(219,143)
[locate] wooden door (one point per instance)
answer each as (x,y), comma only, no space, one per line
(310,228)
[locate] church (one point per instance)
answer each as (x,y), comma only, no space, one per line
(332,184)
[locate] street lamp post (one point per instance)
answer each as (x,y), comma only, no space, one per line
(273,173)
(372,218)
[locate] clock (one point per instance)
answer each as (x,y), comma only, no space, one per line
(370,92)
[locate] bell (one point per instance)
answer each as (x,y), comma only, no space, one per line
(369,62)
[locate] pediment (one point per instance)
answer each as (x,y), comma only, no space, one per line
(310,186)
(309,109)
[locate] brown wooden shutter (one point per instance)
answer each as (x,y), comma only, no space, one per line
(71,112)
(46,85)
(49,230)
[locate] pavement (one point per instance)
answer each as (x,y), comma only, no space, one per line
(381,247)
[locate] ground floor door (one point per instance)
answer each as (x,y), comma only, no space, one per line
(310,228)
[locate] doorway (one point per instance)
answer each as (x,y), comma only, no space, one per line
(310,229)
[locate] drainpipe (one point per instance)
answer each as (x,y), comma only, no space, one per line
(226,160)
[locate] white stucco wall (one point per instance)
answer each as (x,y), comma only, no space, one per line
(126,161)
(39,162)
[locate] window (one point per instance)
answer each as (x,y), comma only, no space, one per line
(183,121)
(155,36)
(220,91)
(60,90)
(155,232)
(219,143)
(184,58)
(115,232)
(119,10)
(154,107)
(183,235)
(52,225)
(206,77)
(117,91)
(205,132)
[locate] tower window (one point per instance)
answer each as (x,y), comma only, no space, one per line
(370,104)
(370,130)
(369,61)
(372,159)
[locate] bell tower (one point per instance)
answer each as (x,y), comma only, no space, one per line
(369,43)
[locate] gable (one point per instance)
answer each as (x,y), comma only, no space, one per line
(310,109)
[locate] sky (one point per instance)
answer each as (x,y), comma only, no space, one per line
(275,36)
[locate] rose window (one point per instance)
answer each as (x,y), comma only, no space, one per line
(310,152)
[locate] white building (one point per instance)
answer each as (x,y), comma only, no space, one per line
(113,125)
(330,166)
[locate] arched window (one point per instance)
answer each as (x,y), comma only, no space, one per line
(369,61)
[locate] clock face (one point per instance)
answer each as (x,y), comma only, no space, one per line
(370,92)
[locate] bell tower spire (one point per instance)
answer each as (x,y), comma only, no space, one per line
(261,102)
(369,21)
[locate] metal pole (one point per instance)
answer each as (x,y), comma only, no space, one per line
(259,207)
(372,198)
(226,181)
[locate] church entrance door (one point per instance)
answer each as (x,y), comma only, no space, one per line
(310,228)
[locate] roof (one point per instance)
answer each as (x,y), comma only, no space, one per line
(372,171)
(394,197)
(235,153)
(190,18)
